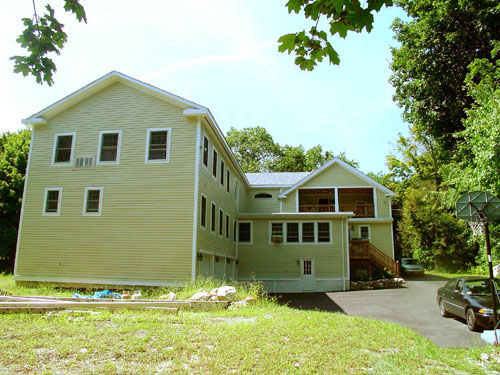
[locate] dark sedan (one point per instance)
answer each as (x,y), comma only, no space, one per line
(468,298)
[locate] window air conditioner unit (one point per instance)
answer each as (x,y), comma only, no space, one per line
(277,239)
(84,162)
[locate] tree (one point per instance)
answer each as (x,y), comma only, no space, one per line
(14,149)
(430,66)
(44,35)
(341,16)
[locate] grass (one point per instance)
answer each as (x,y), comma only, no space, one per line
(265,338)
(450,275)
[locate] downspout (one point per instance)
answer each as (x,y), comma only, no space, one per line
(196,187)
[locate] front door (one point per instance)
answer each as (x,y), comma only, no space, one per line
(307,265)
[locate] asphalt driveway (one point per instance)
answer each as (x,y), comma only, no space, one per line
(413,306)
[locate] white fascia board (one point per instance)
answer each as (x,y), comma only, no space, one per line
(344,165)
(33,121)
(368,220)
(268,186)
(294,215)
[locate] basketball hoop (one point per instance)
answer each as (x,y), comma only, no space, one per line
(477,227)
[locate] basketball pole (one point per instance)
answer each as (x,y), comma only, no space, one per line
(490,269)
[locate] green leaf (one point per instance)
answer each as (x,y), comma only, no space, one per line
(287,43)
(332,54)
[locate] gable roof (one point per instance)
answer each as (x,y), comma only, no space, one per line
(100,84)
(344,165)
(190,108)
(275,179)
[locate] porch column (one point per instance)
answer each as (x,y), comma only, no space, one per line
(336,199)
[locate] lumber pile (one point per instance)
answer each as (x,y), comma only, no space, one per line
(42,304)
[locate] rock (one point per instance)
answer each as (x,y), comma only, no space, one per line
(238,305)
(485,357)
(496,271)
(126,295)
(250,300)
(137,295)
(226,293)
(213,298)
(213,292)
(200,296)
(169,297)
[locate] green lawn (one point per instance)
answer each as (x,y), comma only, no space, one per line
(263,339)
(449,275)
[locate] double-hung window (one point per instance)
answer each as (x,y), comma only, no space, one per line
(64,149)
(108,151)
(158,145)
(227,226)
(221,222)
(214,163)
(324,232)
(292,232)
(52,206)
(364,232)
(205,151)
(228,178)
(307,232)
(222,173)
(212,224)
(245,232)
(92,205)
(203,221)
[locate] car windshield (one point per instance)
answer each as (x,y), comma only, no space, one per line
(479,287)
(409,261)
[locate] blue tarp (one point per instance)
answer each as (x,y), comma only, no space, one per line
(104,294)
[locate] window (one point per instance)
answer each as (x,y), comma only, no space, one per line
(234,230)
(364,232)
(52,205)
(228,176)
(203,219)
(236,190)
(214,163)
(276,232)
(245,232)
(92,205)
(292,232)
(64,146)
(263,196)
(212,226)
(323,232)
(221,224)
(158,145)
(109,147)
(222,173)
(227,226)
(307,232)
(205,151)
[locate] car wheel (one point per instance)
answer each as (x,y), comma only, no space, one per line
(471,320)
(442,309)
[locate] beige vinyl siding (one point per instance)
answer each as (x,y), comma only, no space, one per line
(259,205)
(262,259)
(145,231)
(383,205)
(335,176)
(215,192)
(380,235)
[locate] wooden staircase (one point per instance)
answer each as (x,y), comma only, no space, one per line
(363,249)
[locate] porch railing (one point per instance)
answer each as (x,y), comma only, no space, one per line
(360,210)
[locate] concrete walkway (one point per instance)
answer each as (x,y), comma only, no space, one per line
(413,306)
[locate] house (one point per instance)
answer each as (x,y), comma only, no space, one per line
(128,184)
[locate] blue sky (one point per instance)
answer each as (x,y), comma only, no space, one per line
(221,54)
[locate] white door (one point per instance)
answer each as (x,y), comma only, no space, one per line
(307,265)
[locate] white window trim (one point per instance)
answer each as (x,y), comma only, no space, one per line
(118,149)
(72,156)
(212,204)
(202,150)
(238,233)
(222,173)
(234,238)
(227,184)
(271,196)
(206,213)
(316,233)
(59,201)
(227,227)
(220,232)
(169,136)
(369,231)
(101,198)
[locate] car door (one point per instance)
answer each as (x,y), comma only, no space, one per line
(458,301)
